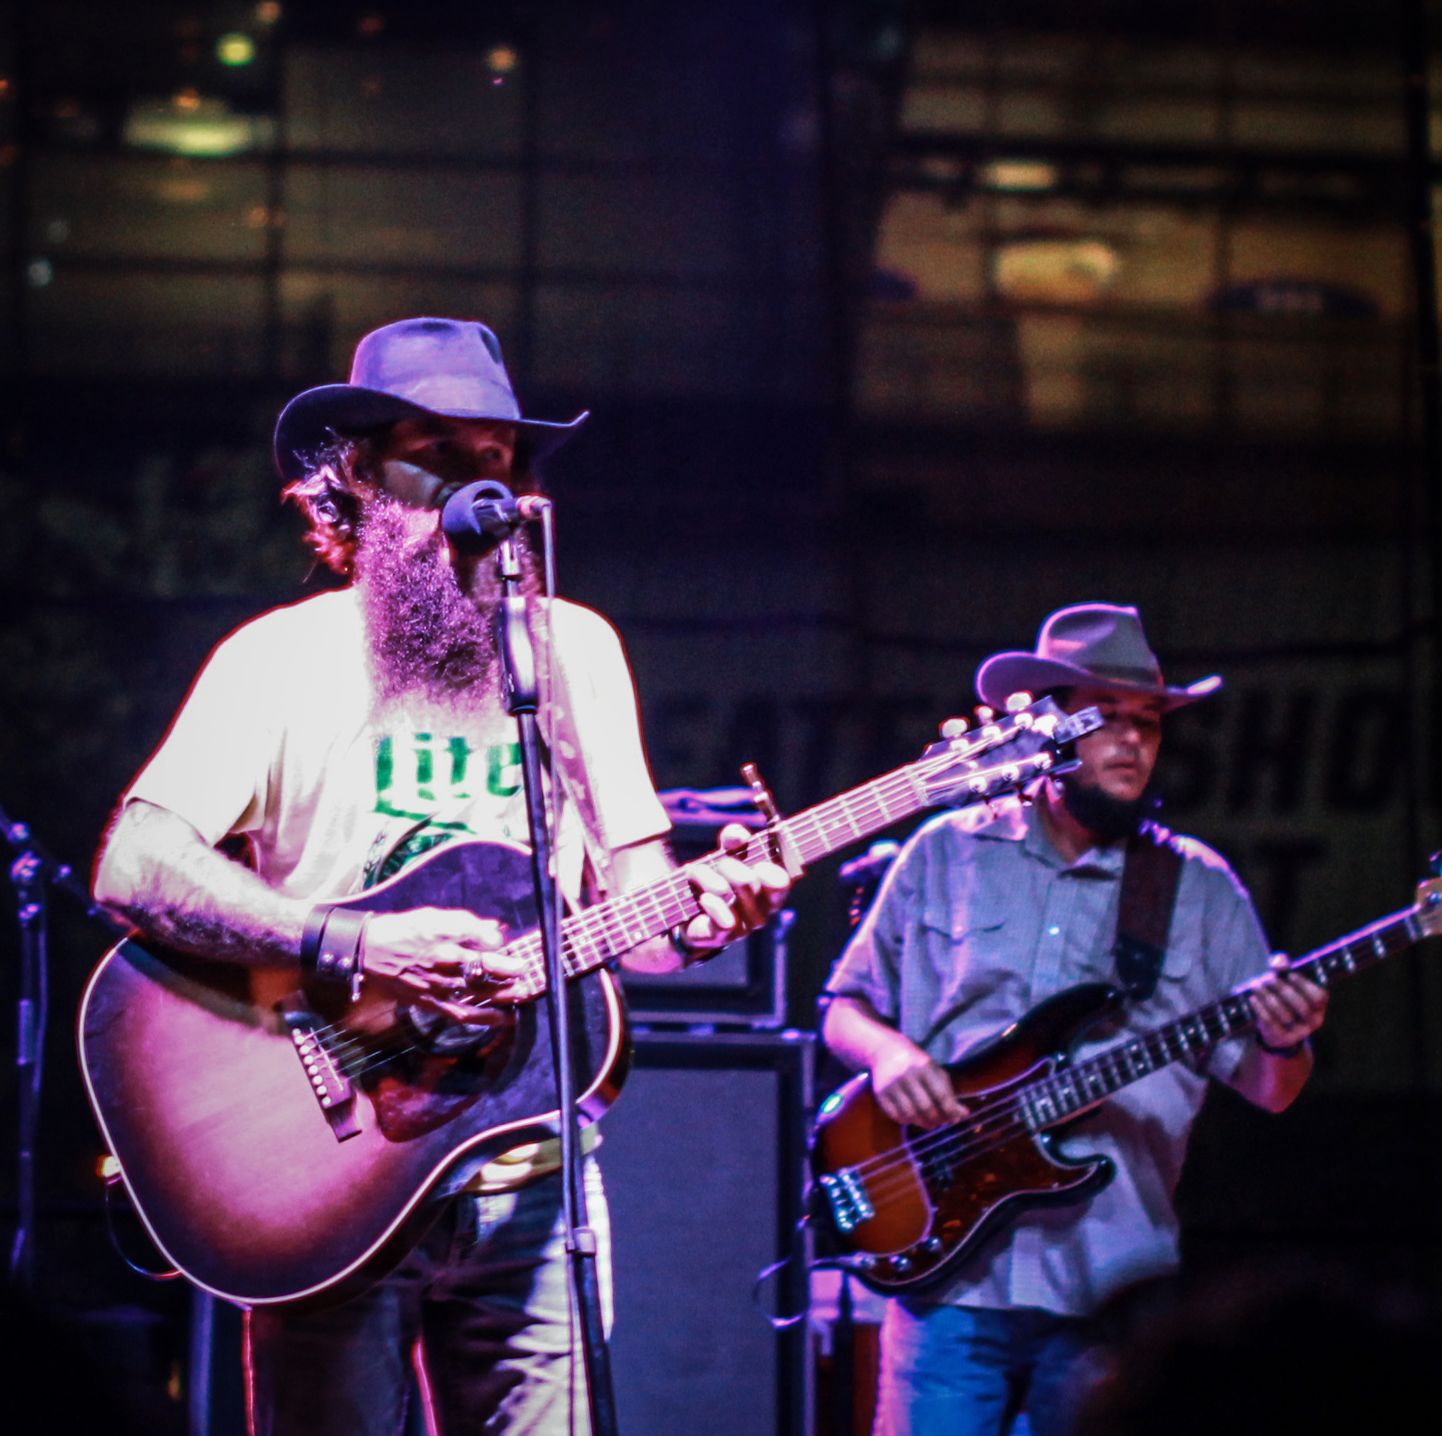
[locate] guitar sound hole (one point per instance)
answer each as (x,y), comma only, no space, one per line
(438,1034)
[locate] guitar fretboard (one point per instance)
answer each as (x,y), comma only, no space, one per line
(602,933)
(1076,1087)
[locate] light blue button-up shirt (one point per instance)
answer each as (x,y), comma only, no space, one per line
(978,920)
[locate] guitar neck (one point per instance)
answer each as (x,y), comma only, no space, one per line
(1078,1087)
(602,933)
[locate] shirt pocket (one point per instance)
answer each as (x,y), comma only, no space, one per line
(957,921)
(967,950)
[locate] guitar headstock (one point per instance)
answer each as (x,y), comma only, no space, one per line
(1003,752)
(1427,910)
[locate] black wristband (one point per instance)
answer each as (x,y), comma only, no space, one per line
(330,946)
(1293,1049)
(311,935)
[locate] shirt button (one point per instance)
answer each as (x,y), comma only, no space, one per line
(1053,931)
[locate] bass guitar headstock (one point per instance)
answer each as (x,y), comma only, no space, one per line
(1003,752)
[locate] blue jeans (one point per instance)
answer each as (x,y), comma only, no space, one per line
(962,1371)
(479,1309)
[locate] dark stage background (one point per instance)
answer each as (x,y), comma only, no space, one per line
(901,325)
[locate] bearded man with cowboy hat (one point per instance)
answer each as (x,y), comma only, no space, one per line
(984,913)
(346,733)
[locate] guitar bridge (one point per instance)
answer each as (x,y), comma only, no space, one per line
(846,1197)
(332,1088)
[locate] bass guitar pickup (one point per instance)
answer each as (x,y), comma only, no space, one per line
(846,1197)
(333,1090)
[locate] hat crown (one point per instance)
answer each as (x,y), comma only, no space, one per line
(1089,643)
(450,366)
(1103,639)
(411,369)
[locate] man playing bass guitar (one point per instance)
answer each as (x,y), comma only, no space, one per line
(987,912)
(338,739)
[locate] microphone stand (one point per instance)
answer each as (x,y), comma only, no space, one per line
(522,692)
(32,873)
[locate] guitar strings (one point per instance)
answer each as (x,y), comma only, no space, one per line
(953,1141)
(1232,1023)
(891,1171)
(950,1140)
(611,930)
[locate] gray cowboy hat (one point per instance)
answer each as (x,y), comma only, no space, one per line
(415,368)
(1089,643)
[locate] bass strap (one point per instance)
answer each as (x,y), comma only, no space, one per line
(1150,873)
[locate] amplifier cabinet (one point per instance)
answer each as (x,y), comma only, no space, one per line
(704,1158)
(744,986)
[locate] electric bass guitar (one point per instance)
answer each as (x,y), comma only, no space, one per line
(908,1205)
(279,1144)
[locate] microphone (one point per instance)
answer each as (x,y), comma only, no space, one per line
(871,866)
(477,517)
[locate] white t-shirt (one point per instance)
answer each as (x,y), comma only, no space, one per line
(278,741)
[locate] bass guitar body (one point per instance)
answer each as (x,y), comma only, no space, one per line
(908,1203)
(279,1145)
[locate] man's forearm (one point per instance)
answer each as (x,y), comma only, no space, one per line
(1273,1082)
(855,1034)
(161,875)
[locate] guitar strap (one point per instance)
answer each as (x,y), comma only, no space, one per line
(591,878)
(1150,873)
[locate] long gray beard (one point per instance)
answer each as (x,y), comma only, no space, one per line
(428,639)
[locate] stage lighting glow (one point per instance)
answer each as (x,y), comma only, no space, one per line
(1020,176)
(501,59)
(189,124)
(268,13)
(235,49)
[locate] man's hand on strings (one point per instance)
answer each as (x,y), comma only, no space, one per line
(1288,1007)
(446,959)
(736,896)
(912,1089)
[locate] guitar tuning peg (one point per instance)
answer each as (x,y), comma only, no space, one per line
(954,727)
(985,714)
(1019,700)
(760,793)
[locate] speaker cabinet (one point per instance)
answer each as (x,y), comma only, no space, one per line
(743,987)
(704,1162)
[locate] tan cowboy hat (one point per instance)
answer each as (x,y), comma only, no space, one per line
(1089,643)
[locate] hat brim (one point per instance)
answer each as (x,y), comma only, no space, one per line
(1006,673)
(318,417)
